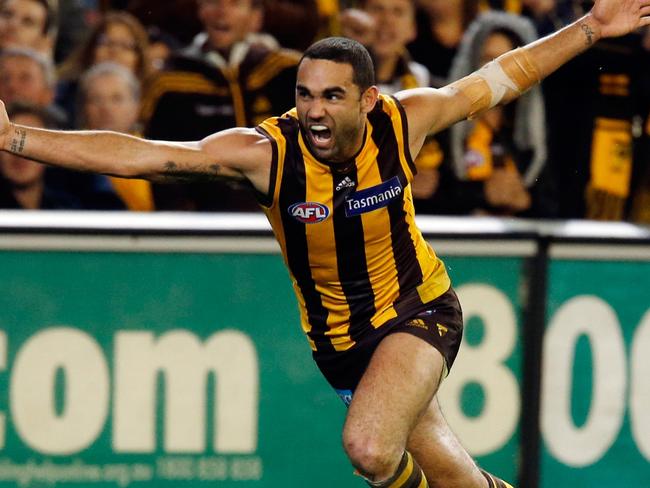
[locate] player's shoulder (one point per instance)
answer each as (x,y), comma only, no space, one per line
(281,125)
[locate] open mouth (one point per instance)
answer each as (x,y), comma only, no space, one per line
(321,135)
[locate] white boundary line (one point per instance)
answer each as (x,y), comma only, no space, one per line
(478,247)
(163,244)
(96,231)
(229,244)
(90,221)
(53,221)
(600,252)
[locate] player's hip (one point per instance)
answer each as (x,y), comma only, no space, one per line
(438,322)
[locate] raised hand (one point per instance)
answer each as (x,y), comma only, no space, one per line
(619,17)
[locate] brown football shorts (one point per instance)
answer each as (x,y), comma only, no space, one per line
(439,323)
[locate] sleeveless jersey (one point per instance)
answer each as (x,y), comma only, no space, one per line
(347,230)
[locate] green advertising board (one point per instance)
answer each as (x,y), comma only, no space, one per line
(86,336)
(481,398)
(158,361)
(189,368)
(596,373)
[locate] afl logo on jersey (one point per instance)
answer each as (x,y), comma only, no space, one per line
(309,212)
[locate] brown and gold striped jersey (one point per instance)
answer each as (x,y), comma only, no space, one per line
(347,230)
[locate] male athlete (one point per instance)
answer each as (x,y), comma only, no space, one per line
(333,177)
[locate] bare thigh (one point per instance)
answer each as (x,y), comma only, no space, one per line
(439,453)
(394,392)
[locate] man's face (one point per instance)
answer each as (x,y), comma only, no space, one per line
(23,79)
(331,108)
(21,172)
(395,25)
(110,104)
(22,23)
(228,21)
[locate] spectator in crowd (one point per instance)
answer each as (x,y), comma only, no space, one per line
(592,103)
(228,77)
(592,164)
(499,156)
(120,38)
(26,75)
(23,182)
(294,23)
(388,28)
(110,100)
(440,28)
(385,27)
(28,23)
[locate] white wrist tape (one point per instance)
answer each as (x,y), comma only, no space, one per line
(498,82)
(487,87)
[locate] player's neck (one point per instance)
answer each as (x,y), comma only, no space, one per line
(354,147)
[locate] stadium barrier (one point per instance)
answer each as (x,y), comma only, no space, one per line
(165,350)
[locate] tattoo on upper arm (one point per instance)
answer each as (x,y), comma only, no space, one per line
(186,173)
(17,144)
(589,33)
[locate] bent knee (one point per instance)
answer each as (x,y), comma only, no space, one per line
(374,458)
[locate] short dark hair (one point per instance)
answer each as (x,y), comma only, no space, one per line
(348,51)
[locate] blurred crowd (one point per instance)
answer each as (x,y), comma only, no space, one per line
(577,146)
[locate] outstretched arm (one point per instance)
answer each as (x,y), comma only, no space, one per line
(510,75)
(235,153)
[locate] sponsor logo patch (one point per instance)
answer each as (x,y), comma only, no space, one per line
(309,212)
(373,198)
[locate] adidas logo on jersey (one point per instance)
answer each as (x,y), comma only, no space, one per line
(345,183)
